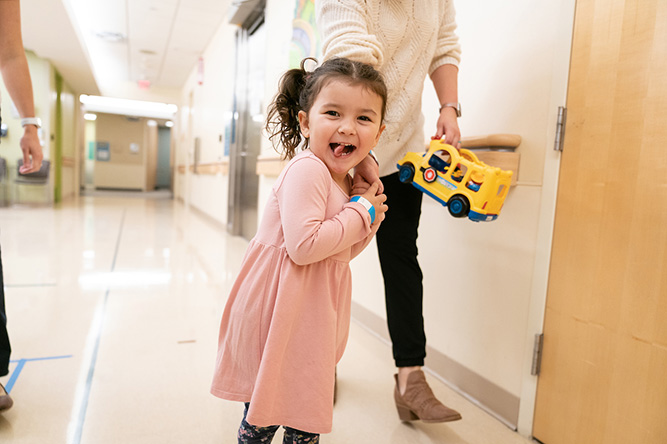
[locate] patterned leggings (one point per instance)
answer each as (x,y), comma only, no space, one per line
(250,434)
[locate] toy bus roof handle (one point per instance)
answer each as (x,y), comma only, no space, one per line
(467,154)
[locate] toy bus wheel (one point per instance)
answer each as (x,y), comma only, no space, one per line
(458,206)
(406,173)
(430,175)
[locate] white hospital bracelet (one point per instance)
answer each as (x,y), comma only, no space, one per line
(31,121)
(369,206)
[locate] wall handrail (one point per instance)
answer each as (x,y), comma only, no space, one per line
(492,141)
(496,150)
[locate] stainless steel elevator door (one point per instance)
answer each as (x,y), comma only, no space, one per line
(249,115)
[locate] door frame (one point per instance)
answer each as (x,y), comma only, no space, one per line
(542,260)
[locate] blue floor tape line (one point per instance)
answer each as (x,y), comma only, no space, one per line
(79,418)
(19,367)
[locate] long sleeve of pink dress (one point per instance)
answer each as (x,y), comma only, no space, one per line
(286,322)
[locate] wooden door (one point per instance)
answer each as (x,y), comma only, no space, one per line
(604,368)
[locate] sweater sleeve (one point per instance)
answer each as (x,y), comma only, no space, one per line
(448,49)
(344,27)
(302,198)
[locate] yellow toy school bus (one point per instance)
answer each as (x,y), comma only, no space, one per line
(458,180)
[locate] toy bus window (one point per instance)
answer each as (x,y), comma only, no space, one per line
(440,160)
(501,188)
(459,172)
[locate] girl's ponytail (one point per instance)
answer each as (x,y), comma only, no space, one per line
(283,114)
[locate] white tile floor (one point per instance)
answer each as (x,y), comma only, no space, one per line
(113,306)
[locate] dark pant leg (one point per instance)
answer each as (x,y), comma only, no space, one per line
(5,348)
(397,248)
(294,436)
(250,434)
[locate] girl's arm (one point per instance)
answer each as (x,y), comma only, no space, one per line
(310,234)
(359,246)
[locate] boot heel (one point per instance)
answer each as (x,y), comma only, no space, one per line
(405,414)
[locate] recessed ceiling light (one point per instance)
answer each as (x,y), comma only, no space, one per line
(110,36)
(128,107)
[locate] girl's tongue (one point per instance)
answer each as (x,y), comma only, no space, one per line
(341,149)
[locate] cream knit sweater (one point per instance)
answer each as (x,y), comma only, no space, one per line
(406,40)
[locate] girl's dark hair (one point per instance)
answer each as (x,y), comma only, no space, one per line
(298,89)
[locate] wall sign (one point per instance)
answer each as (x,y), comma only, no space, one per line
(103,154)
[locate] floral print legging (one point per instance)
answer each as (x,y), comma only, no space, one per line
(250,434)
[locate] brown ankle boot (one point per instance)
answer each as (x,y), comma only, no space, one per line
(5,400)
(419,402)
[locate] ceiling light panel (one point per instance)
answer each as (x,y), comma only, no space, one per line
(150,24)
(196,23)
(159,40)
(103,27)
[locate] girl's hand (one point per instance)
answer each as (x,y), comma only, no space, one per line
(377,200)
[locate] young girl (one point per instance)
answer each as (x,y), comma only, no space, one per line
(287,318)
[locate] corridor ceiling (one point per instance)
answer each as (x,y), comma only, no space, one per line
(133,49)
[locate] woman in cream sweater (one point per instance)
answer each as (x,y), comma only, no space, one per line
(406,40)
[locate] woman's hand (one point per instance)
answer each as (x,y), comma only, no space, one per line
(367,171)
(448,126)
(32,150)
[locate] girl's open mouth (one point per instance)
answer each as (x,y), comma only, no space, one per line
(342,149)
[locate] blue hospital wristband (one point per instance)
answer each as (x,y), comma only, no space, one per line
(369,206)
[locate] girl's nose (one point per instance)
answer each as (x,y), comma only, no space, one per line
(346,127)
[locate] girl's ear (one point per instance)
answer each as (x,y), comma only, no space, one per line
(303,124)
(377,137)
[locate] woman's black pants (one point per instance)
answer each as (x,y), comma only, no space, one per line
(397,248)
(5,349)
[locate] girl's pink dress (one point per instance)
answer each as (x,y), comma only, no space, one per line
(287,318)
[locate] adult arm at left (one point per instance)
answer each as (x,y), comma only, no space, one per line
(16,76)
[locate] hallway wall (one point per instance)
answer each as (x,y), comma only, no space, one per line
(484,283)
(206,113)
(132,143)
(206,104)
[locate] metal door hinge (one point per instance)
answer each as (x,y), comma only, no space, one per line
(537,354)
(560,128)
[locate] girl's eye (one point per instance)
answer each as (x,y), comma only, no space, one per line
(332,113)
(367,119)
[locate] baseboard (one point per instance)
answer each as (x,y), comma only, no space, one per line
(494,399)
